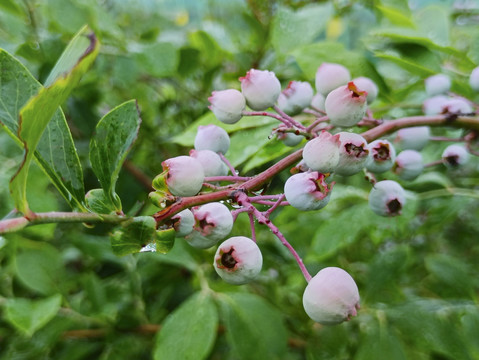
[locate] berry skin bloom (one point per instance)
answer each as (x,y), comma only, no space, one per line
(227,105)
(330,76)
(437,84)
(474,79)
(185,175)
(307,191)
(261,89)
(346,105)
(213,222)
(238,260)
(183,222)
(387,198)
(455,156)
(331,296)
(381,156)
(211,162)
(353,153)
(366,84)
(212,137)
(414,138)
(409,164)
(322,153)
(296,97)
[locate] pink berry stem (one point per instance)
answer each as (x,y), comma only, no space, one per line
(316,113)
(265,197)
(227,162)
(227,178)
(268,212)
(445,138)
(289,118)
(251,222)
(316,122)
(265,113)
(270,203)
(433,163)
(236,212)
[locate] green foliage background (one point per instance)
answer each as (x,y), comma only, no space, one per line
(64,294)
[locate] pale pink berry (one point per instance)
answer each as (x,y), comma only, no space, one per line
(474,79)
(434,105)
(307,191)
(455,156)
(346,105)
(414,138)
(227,105)
(322,153)
(381,156)
(330,76)
(212,137)
(409,164)
(457,106)
(261,88)
(290,139)
(211,162)
(366,84)
(296,97)
(317,102)
(238,260)
(331,297)
(185,175)
(437,84)
(213,222)
(353,153)
(387,198)
(183,222)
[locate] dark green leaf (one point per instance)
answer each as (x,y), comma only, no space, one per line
(98,202)
(254,328)
(134,235)
(30,315)
(190,331)
(165,239)
(114,136)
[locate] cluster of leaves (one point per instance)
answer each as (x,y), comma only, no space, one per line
(63,291)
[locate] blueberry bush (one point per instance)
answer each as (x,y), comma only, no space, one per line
(239,180)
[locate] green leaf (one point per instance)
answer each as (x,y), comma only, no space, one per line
(411,65)
(30,315)
(165,239)
(380,341)
(190,331)
(39,110)
(98,202)
(396,16)
(254,329)
(291,29)
(134,235)
(159,59)
(41,269)
(56,151)
(113,138)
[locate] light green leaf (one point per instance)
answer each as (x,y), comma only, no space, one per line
(409,65)
(98,202)
(30,315)
(159,59)
(396,16)
(56,151)
(190,331)
(254,329)
(39,110)
(113,138)
(133,235)
(291,29)
(165,239)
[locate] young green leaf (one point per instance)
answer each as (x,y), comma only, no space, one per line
(190,331)
(39,110)
(134,235)
(30,315)
(56,151)
(114,136)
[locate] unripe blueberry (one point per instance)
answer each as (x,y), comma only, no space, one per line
(381,156)
(296,97)
(261,89)
(434,105)
(437,84)
(211,162)
(346,105)
(322,153)
(330,76)
(238,260)
(307,191)
(183,222)
(366,84)
(414,138)
(457,106)
(290,139)
(212,137)
(353,153)
(317,101)
(331,296)
(455,156)
(213,222)
(185,175)
(409,164)
(387,198)
(227,105)
(474,79)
